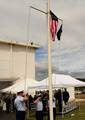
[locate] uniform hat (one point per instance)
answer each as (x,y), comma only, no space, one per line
(19,92)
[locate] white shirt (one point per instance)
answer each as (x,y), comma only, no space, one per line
(19,103)
(39,106)
(53,103)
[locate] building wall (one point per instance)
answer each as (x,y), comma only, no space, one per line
(4,61)
(13,61)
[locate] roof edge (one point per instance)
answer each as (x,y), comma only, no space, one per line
(24,44)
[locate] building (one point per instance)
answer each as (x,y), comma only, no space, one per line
(17,60)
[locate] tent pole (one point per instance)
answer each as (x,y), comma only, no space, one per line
(62,102)
(79,99)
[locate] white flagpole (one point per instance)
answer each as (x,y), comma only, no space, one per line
(26,61)
(49,65)
(11,59)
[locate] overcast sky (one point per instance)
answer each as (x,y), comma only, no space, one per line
(67,54)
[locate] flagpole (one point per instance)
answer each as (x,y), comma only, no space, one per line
(58,43)
(11,59)
(26,59)
(49,65)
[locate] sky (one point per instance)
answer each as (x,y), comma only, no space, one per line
(21,23)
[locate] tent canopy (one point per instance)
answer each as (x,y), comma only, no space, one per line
(21,85)
(58,80)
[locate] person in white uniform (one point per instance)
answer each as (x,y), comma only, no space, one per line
(39,108)
(20,105)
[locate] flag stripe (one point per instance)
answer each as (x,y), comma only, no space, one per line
(53,28)
(53,25)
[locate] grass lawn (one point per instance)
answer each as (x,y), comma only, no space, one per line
(78,114)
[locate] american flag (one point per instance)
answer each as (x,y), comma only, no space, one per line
(53,25)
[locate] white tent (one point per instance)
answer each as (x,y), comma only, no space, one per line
(21,85)
(59,80)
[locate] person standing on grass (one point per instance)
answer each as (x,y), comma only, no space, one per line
(20,105)
(66,96)
(54,108)
(8,104)
(58,96)
(39,108)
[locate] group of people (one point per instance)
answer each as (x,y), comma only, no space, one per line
(61,96)
(7,102)
(21,102)
(42,103)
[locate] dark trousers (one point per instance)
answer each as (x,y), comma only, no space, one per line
(20,115)
(7,109)
(54,114)
(60,107)
(39,115)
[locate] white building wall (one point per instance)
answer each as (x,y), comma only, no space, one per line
(13,61)
(19,62)
(4,61)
